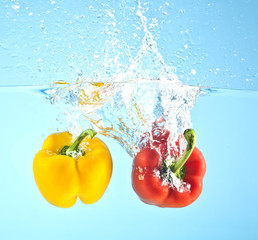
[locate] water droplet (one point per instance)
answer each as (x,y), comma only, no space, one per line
(140,177)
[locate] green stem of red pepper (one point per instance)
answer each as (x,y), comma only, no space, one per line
(74,148)
(190,137)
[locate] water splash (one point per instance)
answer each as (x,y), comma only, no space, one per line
(126,111)
(133,105)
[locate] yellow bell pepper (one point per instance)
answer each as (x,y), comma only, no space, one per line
(64,170)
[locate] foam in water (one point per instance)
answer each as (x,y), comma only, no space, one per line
(133,106)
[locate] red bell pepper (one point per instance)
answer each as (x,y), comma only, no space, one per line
(155,177)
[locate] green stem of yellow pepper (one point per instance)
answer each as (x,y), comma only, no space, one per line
(74,148)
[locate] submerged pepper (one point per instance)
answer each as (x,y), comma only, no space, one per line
(64,170)
(150,170)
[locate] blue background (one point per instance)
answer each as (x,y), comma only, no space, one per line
(220,34)
(45,41)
